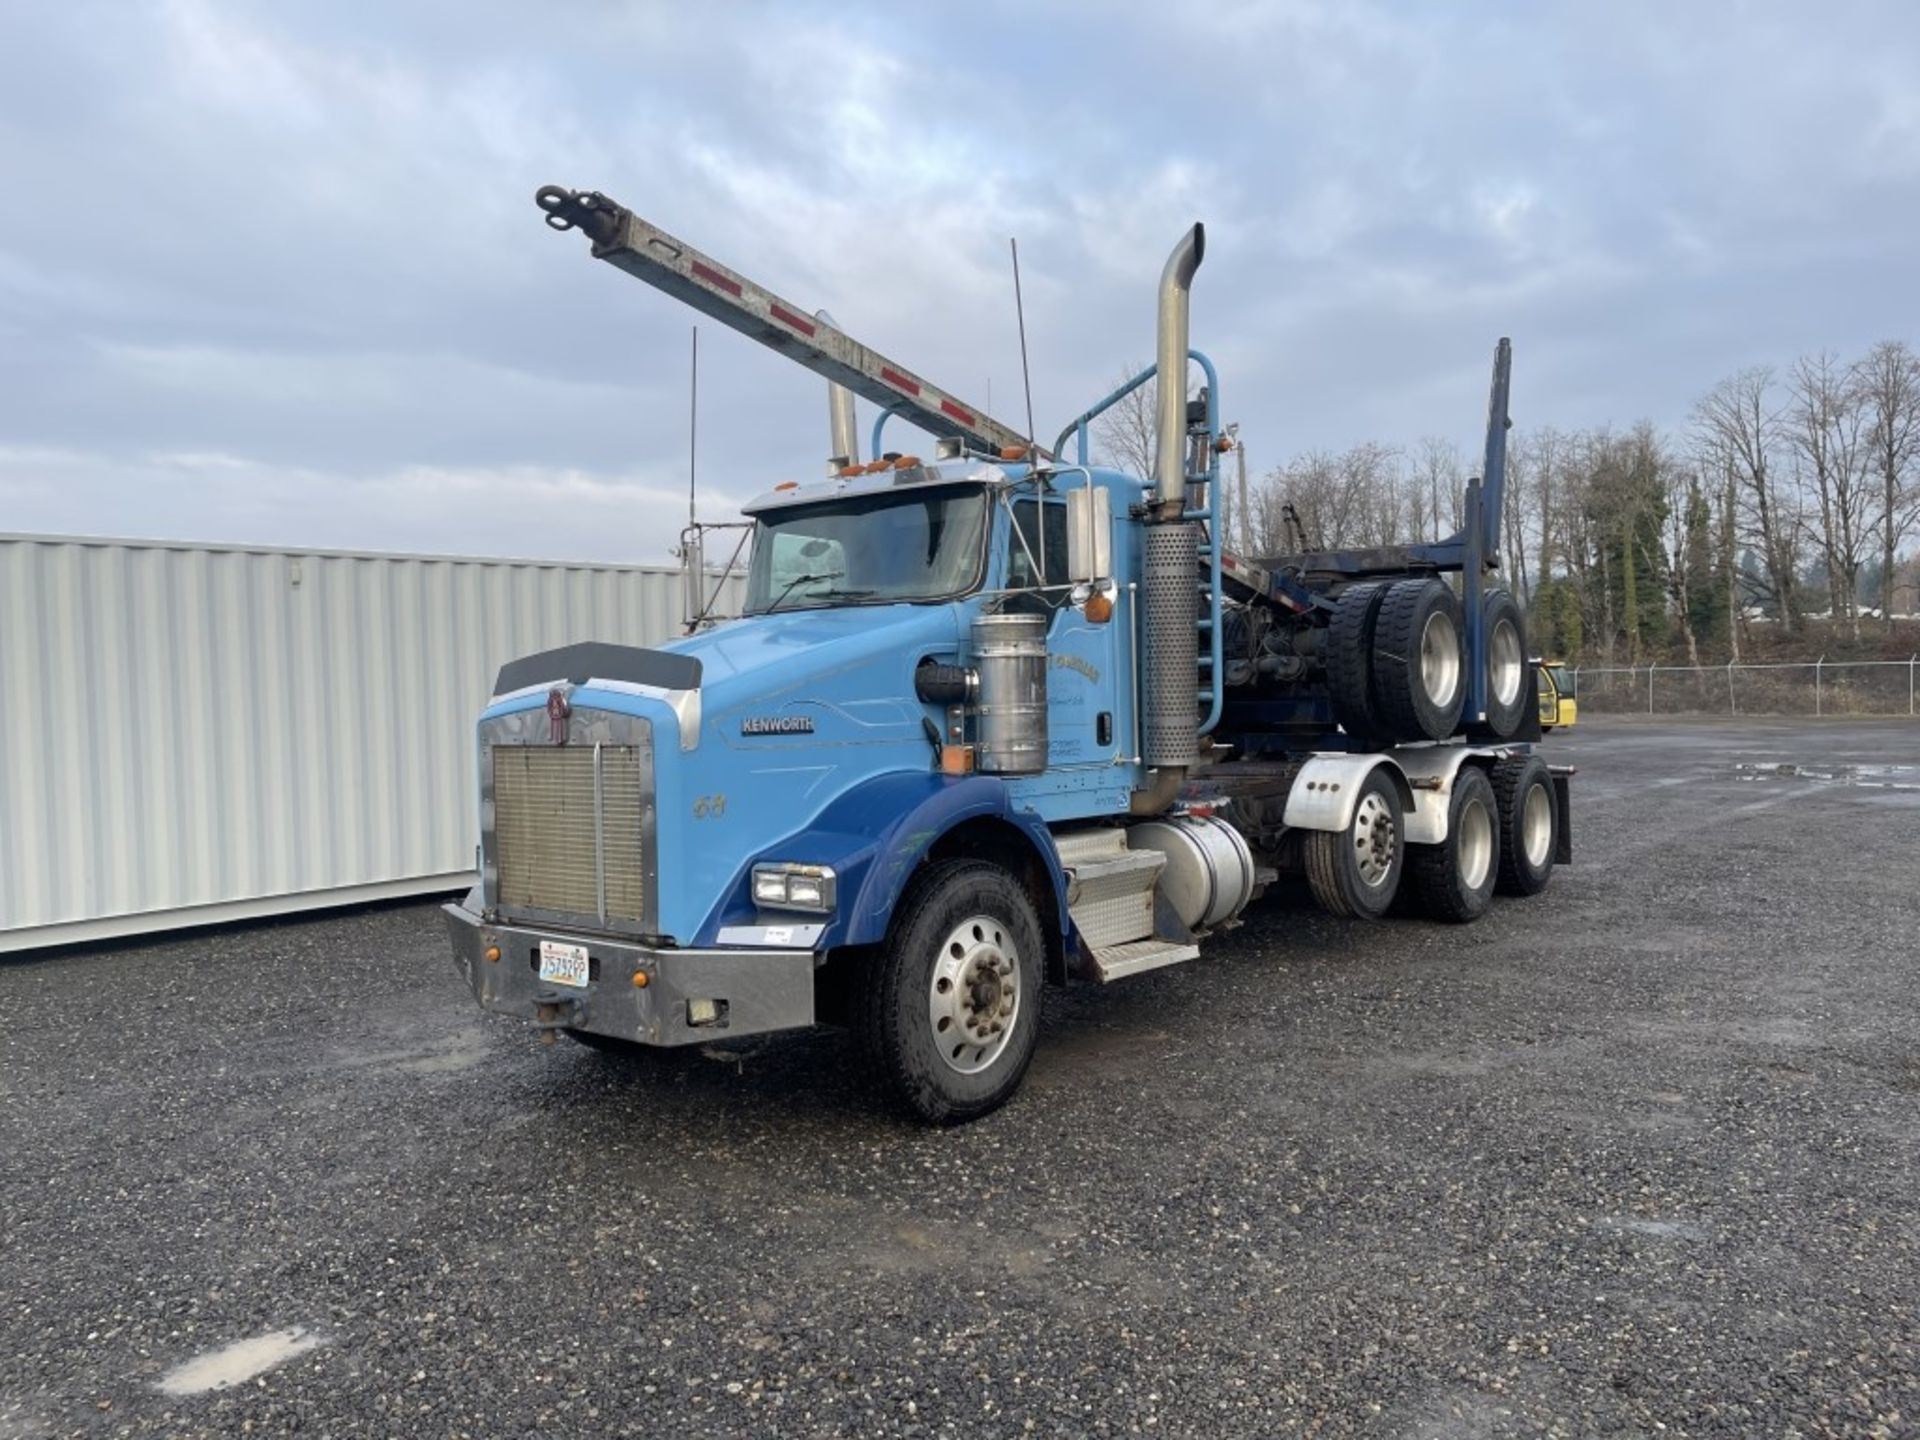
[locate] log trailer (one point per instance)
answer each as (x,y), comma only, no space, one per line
(994,719)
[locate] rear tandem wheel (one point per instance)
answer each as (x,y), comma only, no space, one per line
(1356,871)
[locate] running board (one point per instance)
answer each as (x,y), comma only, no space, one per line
(1116,962)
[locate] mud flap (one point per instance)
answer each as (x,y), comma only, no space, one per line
(1563,815)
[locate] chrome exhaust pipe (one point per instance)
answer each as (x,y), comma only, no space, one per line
(1171,581)
(1170,384)
(841,422)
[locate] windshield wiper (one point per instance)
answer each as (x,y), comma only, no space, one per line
(803,580)
(846,594)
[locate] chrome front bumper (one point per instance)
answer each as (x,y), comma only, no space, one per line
(754,990)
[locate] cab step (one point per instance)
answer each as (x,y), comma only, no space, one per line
(1116,962)
(1109,887)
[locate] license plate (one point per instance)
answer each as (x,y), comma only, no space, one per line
(563,964)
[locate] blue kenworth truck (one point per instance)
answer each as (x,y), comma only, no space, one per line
(993,719)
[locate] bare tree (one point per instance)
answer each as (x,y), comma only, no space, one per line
(1436,479)
(1726,499)
(1887,383)
(1342,500)
(1123,436)
(1546,453)
(1737,431)
(1827,428)
(1515,506)
(1683,525)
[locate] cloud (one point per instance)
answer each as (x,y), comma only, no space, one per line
(275,270)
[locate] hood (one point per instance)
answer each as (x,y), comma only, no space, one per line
(854,662)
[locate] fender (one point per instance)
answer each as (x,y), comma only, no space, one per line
(875,836)
(1423,774)
(1327,789)
(1431,772)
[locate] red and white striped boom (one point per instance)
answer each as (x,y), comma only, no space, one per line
(623,239)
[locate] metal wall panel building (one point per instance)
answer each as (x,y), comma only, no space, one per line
(195,733)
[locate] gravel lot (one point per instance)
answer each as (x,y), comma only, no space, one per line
(1636,1157)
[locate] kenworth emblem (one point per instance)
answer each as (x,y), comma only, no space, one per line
(558,709)
(777,725)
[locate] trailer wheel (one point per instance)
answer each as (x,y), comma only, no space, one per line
(1349,658)
(1506,640)
(1356,871)
(1419,664)
(951,1008)
(1454,880)
(1529,824)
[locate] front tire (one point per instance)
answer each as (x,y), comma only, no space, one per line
(1356,871)
(951,1008)
(1454,880)
(1529,824)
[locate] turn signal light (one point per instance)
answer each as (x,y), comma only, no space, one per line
(1013,452)
(1099,607)
(493,954)
(641,979)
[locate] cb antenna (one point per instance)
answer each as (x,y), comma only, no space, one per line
(693,429)
(1020,314)
(693,553)
(1026,381)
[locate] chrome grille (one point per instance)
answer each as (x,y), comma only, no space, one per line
(569,830)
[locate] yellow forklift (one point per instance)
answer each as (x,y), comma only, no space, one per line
(1558,708)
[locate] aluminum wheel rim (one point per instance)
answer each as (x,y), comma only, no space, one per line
(1440,658)
(1503,663)
(973,1000)
(1536,825)
(1373,841)
(1475,845)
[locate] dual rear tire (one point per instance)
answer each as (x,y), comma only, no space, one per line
(1454,880)
(1396,662)
(1396,667)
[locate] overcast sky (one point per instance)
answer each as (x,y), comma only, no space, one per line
(272,272)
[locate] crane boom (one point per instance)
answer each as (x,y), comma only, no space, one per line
(648,253)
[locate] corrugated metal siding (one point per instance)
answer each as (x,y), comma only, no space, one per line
(194,734)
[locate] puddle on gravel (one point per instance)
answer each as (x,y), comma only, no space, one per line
(1872,777)
(239,1362)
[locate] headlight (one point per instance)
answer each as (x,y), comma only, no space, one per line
(794,887)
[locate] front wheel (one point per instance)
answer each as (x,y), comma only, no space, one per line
(1356,871)
(951,1008)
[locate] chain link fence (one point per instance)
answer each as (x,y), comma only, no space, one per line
(1812,687)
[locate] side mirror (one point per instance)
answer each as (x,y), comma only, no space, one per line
(1089,535)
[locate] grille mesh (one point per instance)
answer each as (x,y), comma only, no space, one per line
(544,841)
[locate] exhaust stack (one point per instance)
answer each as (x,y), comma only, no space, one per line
(1170,429)
(842,425)
(1171,738)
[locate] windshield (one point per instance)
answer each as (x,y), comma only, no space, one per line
(869,549)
